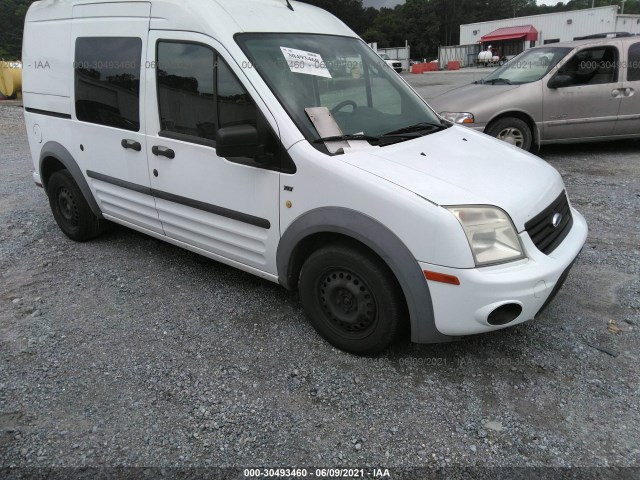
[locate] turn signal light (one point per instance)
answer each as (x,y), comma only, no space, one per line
(441,277)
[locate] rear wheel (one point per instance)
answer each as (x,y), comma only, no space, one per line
(70,209)
(351,299)
(513,131)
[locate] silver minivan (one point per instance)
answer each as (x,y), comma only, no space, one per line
(585,90)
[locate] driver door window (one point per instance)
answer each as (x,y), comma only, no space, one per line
(186,93)
(592,66)
(198,93)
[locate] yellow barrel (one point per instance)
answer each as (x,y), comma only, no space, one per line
(10,78)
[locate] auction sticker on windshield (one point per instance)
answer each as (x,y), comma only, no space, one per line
(307,63)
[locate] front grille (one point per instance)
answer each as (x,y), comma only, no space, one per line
(545,236)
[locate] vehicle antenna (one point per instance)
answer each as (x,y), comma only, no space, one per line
(289,5)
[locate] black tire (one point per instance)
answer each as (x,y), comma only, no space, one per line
(512,130)
(352,299)
(70,209)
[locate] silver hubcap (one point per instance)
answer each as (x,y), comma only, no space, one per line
(513,136)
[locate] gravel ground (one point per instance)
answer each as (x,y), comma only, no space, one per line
(127,351)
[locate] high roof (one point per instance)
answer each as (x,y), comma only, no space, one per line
(223,18)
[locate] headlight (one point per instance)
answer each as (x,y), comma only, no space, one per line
(458,117)
(491,234)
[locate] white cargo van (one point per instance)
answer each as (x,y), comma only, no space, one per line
(233,129)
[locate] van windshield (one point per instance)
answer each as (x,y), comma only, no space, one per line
(530,66)
(365,96)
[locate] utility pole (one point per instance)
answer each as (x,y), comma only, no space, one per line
(623,2)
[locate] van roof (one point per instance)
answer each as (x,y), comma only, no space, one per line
(218,18)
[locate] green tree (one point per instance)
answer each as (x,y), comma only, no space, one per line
(372,35)
(350,12)
(422,27)
(11,26)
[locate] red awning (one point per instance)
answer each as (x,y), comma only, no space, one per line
(524,32)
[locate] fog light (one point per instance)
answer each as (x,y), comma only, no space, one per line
(504,314)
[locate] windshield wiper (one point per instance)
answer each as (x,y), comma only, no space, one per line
(417,128)
(339,138)
(502,80)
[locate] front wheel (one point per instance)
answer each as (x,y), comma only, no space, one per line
(70,209)
(351,299)
(513,131)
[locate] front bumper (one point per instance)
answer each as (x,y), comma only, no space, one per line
(530,283)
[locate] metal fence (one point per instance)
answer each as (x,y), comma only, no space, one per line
(465,54)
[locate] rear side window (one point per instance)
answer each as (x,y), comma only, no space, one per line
(107,81)
(633,69)
(198,93)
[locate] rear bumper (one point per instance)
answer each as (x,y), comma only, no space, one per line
(529,285)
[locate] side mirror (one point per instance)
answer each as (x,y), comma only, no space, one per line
(238,141)
(560,80)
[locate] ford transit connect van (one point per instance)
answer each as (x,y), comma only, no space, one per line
(240,130)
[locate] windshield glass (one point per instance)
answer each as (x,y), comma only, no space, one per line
(529,66)
(343,74)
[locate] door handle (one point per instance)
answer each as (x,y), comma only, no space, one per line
(617,93)
(163,152)
(131,145)
(628,92)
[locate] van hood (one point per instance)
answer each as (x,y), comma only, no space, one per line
(469,97)
(459,166)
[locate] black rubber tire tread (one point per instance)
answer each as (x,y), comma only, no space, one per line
(512,122)
(390,310)
(84,225)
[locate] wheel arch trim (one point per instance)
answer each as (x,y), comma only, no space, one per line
(383,242)
(62,155)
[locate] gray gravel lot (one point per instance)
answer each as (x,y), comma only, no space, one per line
(127,351)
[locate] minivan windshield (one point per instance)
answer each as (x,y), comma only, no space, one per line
(366,98)
(529,66)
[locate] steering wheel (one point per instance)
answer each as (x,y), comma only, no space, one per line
(343,104)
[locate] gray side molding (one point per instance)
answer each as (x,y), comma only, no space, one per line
(384,243)
(57,151)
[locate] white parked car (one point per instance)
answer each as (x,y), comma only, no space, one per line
(218,127)
(395,64)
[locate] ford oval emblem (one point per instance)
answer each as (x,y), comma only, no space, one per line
(557,219)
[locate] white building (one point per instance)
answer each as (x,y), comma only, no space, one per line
(513,35)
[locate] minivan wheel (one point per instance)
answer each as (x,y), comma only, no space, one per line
(513,131)
(351,299)
(70,209)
